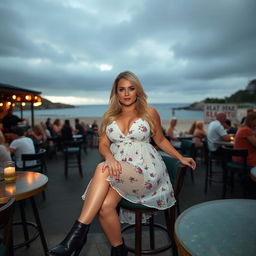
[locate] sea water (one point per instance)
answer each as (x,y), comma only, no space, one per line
(165,111)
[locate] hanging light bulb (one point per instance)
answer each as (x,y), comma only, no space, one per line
(14,96)
(28,97)
(36,104)
(23,104)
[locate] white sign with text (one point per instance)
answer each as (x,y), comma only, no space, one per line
(211,110)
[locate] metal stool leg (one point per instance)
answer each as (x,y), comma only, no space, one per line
(39,225)
(24,222)
(138,233)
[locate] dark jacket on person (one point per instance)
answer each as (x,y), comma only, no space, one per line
(66,133)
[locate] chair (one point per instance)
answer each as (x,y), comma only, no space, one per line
(176,172)
(188,149)
(72,149)
(229,166)
(210,157)
(6,216)
(40,164)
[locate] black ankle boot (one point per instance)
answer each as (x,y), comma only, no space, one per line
(73,242)
(120,250)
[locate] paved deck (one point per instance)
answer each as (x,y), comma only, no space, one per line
(63,204)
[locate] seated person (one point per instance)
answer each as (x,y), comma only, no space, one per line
(192,128)
(4,152)
(199,134)
(56,128)
(173,134)
(245,139)
(248,111)
(21,145)
(67,131)
(231,129)
(217,132)
(79,127)
(95,127)
(37,133)
(49,127)
(10,120)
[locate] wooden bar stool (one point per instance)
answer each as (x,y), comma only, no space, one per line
(176,172)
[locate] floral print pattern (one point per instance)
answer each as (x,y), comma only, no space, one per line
(144,179)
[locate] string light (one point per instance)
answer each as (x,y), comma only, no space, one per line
(28,97)
(36,104)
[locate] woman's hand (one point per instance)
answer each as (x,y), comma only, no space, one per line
(189,162)
(114,168)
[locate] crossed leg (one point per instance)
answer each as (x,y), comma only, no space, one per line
(101,198)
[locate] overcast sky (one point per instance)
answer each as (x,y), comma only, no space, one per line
(182,50)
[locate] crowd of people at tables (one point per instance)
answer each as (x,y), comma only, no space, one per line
(20,141)
(16,139)
(221,129)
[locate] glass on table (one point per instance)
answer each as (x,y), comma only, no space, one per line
(9,171)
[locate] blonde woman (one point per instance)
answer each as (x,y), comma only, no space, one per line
(132,169)
(173,134)
(199,134)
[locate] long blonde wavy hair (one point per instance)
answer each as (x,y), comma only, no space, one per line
(115,107)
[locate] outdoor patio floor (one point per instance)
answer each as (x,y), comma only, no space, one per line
(63,204)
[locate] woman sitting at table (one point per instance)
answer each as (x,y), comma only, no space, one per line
(56,127)
(192,128)
(199,134)
(67,131)
(245,139)
(37,133)
(173,134)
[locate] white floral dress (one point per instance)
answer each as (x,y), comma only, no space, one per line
(145,180)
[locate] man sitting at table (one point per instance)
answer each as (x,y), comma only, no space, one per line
(217,132)
(21,145)
(10,120)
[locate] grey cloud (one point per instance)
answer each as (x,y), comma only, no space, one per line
(57,46)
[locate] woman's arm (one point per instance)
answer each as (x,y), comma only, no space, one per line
(165,145)
(111,164)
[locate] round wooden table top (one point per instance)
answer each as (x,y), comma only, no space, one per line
(219,227)
(27,184)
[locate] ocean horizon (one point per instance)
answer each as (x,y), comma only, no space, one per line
(165,111)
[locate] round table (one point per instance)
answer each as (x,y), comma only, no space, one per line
(26,186)
(221,227)
(225,143)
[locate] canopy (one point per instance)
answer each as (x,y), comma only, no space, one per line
(11,95)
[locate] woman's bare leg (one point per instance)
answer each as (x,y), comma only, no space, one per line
(109,219)
(96,194)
